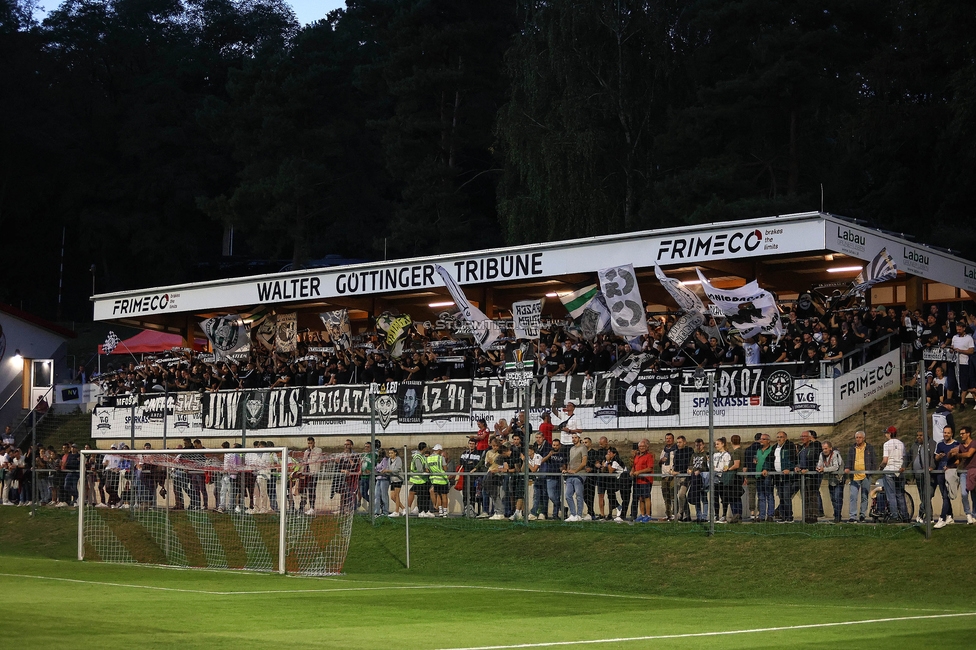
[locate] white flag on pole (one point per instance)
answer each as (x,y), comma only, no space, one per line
(750,309)
(485,330)
(685,297)
(619,287)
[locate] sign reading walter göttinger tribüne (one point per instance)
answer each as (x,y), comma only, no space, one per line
(533,262)
(743,396)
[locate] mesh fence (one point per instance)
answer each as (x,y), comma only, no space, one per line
(772,449)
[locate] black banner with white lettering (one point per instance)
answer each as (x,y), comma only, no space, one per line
(651,393)
(336,403)
(447,400)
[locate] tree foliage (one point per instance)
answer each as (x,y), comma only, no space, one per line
(142,129)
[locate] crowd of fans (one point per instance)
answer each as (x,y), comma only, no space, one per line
(580,480)
(812,335)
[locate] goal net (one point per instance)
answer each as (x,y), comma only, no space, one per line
(218,508)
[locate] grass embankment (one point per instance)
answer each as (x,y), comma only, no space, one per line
(905,568)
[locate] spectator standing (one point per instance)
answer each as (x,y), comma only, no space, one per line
(699,480)
(721,461)
(574,472)
(766,507)
(749,465)
(892,462)
(966,469)
(806,467)
(666,468)
(440,486)
(734,478)
(861,459)
(947,479)
(394,470)
(642,469)
(962,343)
(311,464)
(470,460)
(830,465)
(784,464)
(553,465)
(682,479)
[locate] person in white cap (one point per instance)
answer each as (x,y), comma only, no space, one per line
(439,485)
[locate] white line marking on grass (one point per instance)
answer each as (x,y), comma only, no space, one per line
(690,635)
(416,587)
(104,584)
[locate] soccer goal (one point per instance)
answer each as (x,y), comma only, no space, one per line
(217,509)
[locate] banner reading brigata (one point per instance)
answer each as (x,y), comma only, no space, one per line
(630,398)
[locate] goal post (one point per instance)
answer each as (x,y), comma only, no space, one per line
(227,508)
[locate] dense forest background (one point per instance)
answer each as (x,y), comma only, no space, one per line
(141,131)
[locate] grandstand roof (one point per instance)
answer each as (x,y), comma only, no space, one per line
(786,253)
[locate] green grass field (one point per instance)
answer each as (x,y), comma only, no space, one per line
(544,586)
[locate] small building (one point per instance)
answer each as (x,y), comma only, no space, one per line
(33,360)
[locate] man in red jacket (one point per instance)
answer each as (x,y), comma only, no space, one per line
(643,467)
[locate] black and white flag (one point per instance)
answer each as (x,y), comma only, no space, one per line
(286,334)
(750,309)
(881,269)
(336,323)
(111,342)
(485,330)
(228,335)
(687,299)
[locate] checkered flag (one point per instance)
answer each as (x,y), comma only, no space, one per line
(111,342)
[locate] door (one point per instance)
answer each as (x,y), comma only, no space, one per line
(41,380)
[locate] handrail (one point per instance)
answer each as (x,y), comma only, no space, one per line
(859,350)
(20,389)
(29,413)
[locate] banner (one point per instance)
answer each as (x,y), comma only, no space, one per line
(264,331)
(336,323)
(685,327)
(588,310)
(484,330)
(620,290)
(396,331)
(410,409)
(336,404)
(627,368)
(526,318)
(652,394)
(228,335)
(687,299)
(286,332)
(446,401)
(881,269)
(750,309)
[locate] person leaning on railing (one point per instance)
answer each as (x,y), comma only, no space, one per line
(861,458)
(831,466)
